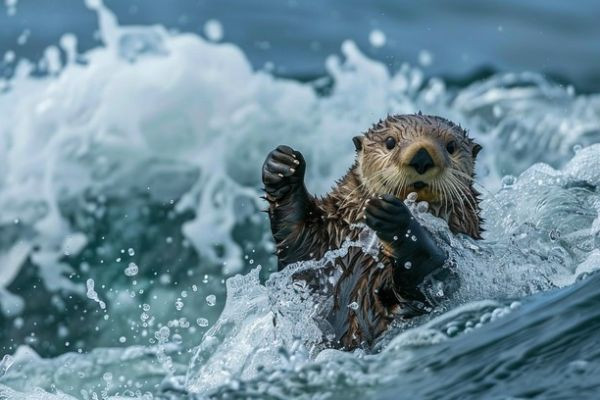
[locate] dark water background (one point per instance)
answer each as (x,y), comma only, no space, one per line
(465,38)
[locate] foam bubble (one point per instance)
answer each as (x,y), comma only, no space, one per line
(377,38)
(93,295)
(213,30)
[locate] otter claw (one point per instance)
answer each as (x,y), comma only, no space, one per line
(283,171)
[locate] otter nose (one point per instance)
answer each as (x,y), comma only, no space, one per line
(421,161)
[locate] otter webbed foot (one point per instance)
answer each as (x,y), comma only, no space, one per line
(283,171)
(415,253)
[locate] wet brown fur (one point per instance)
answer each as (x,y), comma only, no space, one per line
(326,222)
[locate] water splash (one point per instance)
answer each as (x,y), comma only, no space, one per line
(93,295)
(165,126)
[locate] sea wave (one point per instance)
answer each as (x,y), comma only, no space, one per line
(130,177)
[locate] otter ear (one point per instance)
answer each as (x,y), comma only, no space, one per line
(476,149)
(357,143)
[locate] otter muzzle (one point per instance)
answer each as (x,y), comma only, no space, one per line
(422,161)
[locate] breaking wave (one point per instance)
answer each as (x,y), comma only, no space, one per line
(129,189)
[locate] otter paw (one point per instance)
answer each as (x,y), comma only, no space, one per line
(387,216)
(283,170)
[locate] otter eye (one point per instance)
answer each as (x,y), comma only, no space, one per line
(451,147)
(390,143)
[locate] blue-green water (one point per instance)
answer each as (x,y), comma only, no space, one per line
(130,154)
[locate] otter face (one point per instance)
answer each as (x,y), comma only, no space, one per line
(417,153)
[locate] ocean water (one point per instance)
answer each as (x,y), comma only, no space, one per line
(135,261)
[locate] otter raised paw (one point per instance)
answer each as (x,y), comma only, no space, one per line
(283,171)
(412,248)
(291,208)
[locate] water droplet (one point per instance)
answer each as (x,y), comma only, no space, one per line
(178,304)
(408,265)
(211,300)
(413,238)
(577,148)
(122,339)
(131,252)
(213,30)
(425,58)
(131,270)
(162,334)
(422,207)
(184,323)
(395,237)
(453,330)
(377,38)
(146,307)
(353,305)
(412,197)
(177,339)
(554,234)
(203,322)
(91,293)
(508,181)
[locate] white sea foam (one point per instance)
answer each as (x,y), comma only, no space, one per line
(179,118)
(105,124)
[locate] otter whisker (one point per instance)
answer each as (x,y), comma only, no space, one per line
(451,195)
(467,198)
(445,196)
(448,199)
(438,187)
(460,174)
(467,194)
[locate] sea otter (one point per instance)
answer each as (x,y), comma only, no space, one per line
(401,154)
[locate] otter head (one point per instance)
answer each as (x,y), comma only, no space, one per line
(428,155)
